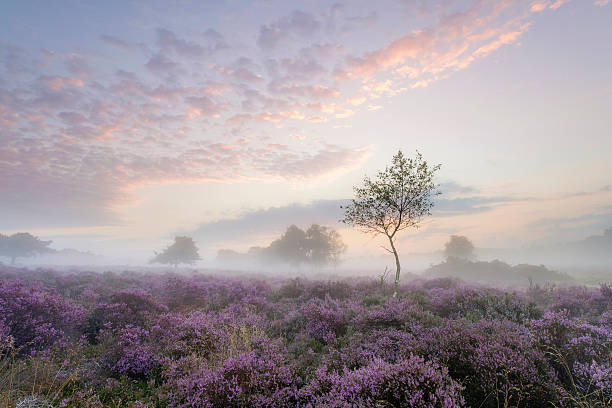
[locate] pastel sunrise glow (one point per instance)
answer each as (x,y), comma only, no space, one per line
(126,123)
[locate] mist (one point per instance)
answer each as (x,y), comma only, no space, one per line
(232,204)
(587,261)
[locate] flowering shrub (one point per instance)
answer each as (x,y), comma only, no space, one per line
(574,338)
(128,353)
(247,380)
(146,340)
(177,336)
(325,320)
(594,377)
(413,382)
(35,319)
(476,303)
(495,360)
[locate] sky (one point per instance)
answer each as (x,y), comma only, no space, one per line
(125,123)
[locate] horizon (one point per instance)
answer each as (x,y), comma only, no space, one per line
(124,125)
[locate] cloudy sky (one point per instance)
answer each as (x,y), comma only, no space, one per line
(124,123)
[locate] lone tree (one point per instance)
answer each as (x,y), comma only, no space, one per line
(459,247)
(182,251)
(398,198)
(22,245)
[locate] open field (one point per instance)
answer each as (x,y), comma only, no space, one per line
(133,339)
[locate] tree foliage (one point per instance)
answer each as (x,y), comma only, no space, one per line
(291,247)
(318,246)
(398,198)
(183,250)
(22,245)
(324,245)
(459,247)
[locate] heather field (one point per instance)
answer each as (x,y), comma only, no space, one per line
(132,339)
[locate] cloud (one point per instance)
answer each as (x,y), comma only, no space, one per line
(205,105)
(63,183)
(56,83)
(80,130)
(161,64)
(503,39)
(273,220)
(302,68)
(240,73)
(257,223)
(450,207)
(123,44)
(452,188)
(361,22)
(78,66)
(311,92)
(597,221)
(297,23)
(539,6)
(168,41)
(431,53)
(570,228)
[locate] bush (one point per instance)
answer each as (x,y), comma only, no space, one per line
(247,380)
(412,382)
(241,343)
(34,320)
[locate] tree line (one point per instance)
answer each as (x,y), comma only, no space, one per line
(317,246)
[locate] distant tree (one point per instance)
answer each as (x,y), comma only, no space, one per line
(289,248)
(22,245)
(398,198)
(459,247)
(183,250)
(317,246)
(229,256)
(324,246)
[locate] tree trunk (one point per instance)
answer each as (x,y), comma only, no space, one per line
(397,267)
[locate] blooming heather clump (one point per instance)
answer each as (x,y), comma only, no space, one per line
(326,320)
(396,313)
(177,336)
(129,354)
(36,319)
(594,377)
(145,340)
(247,380)
(412,382)
(574,338)
(477,303)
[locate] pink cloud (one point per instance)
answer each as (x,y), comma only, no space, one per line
(539,6)
(56,83)
(429,54)
(357,100)
(183,109)
(503,39)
